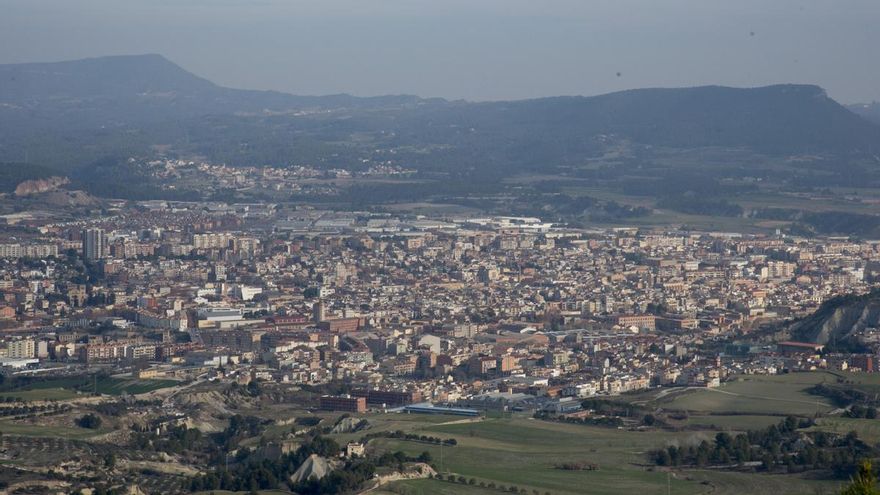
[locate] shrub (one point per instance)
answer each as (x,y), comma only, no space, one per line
(90,421)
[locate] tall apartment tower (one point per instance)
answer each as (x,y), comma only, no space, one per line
(94,244)
(318,312)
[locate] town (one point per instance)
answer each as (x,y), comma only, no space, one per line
(308,296)
(365,313)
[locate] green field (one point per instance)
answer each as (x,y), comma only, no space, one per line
(433,487)
(524,452)
(40,394)
(260,492)
(133,386)
(8,427)
(65,388)
(716,484)
(750,394)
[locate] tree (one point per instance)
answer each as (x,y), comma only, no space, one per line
(663,458)
(90,421)
(723,440)
(863,483)
(254,389)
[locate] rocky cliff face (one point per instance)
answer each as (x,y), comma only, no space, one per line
(839,319)
(37,186)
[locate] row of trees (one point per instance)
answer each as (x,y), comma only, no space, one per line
(399,457)
(400,435)
(843,395)
(859,411)
(453,478)
(43,410)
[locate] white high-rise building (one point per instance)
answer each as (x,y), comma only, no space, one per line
(94,244)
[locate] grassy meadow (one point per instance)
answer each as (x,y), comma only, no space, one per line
(526,452)
(67,387)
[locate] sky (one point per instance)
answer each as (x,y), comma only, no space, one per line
(474,49)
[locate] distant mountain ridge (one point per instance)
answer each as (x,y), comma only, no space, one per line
(139,75)
(113,76)
(136,89)
(68,113)
(786,118)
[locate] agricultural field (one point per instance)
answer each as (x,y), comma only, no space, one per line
(526,452)
(433,487)
(749,394)
(10,427)
(132,386)
(259,492)
(67,387)
(40,394)
(719,484)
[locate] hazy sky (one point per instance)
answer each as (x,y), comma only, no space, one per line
(473,49)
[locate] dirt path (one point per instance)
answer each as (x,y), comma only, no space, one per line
(460,421)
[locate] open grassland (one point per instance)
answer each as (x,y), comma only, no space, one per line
(65,388)
(259,492)
(433,487)
(40,394)
(397,422)
(525,453)
(132,386)
(715,484)
(730,483)
(10,427)
(749,394)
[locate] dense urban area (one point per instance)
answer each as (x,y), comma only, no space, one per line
(161,346)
